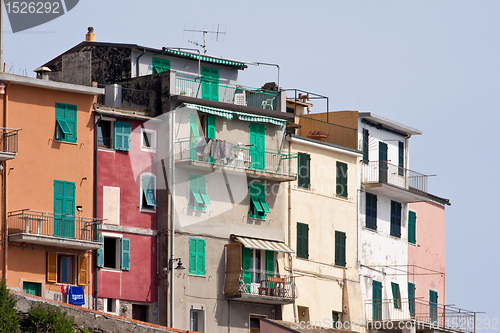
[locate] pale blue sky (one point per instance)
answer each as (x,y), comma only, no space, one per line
(431,65)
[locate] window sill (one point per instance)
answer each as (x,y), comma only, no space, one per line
(338,266)
(341,197)
(68,142)
(197,210)
(145,210)
(395,237)
(111,150)
(149,150)
(196,275)
(413,244)
(305,259)
(109,269)
(370,229)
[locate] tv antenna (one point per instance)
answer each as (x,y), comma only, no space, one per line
(205,32)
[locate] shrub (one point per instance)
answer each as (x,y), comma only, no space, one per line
(48,318)
(9,320)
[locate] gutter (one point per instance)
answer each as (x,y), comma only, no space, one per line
(137,63)
(96,191)
(4,193)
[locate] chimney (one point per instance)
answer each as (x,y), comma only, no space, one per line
(90,36)
(42,73)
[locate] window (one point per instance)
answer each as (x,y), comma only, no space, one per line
(412,227)
(122,136)
(433,309)
(140,312)
(366,137)
(304,178)
(376,300)
(197,320)
(67,268)
(302,240)
(197,256)
(104,137)
(148,140)
(401,159)
(210,84)
(110,305)
(148,197)
(160,65)
(396,295)
(342,179)
(64,209)
(198,197)
(335,319)
(411,298)
(115,253)
(66,122)
(256,265)
(371,211)
(340,248)
(32,288)
(396,219)
(258,207)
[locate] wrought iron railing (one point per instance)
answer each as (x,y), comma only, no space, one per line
(242,157)
(384,172)
(59,226)
(232,94)
(8,140)
(421,312)
(268,284)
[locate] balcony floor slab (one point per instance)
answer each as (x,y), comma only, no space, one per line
(54,241)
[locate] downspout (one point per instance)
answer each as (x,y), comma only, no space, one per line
(4,193)
(172,217)
(137,63)
(290,257)
(96,191)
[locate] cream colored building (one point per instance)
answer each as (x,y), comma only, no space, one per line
(322,230)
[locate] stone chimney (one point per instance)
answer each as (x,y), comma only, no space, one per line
(42,73)
(90,36)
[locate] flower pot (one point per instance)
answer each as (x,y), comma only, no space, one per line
(320,137)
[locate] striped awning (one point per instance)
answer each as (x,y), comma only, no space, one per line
(228,114)
(262,244)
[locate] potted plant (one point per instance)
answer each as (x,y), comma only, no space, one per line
(318,135)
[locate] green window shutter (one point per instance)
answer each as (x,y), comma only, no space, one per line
(411,298)
(200,256)
(340,248)
(160,65)
(64,209)
(125,255)
(342,179)
(395,219)
(366,137)
(71,114)
(211,132)
(412,227)
(303,179)
(371,211)
(210,83)
(395,294)
(302,240)
(194,135)
(401,159)
(258,146)
(433,303)
(122,136)
(377,300)
(257,207)
(66,116)
(148,188)
(192,256)
(100,251)
(198,197)
(262,199)
(269,263)
(246,263)
(202,184)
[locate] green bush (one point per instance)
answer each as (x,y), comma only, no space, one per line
(9,320)
(49,319)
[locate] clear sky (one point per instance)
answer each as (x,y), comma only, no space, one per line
(432,65)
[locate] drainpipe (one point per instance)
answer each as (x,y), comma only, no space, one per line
(290,258)
(172,217)
(4,193)
(96,191)
(137,63)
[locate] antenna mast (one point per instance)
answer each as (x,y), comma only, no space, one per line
(205,32)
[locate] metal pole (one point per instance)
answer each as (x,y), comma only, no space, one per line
(1,35)
(172,216)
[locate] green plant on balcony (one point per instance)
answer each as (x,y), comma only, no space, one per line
(318,135)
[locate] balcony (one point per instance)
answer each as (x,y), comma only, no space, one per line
(268,164)
(405,185)
(26,226)
(424,315)
(261,287)
(232,94)
(8,143)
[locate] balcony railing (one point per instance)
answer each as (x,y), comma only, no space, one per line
(232,94)
(267,284)
(8,142)
(57,226)
(421,312)
(384,172)
(241,157)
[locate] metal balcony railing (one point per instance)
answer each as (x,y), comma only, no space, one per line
(384,172)
(232,94)
(421,312)
(58,226)
(268,284)
(243,157)
(8,140)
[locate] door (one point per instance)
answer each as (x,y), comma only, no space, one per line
(258,146)
(210,84)
(433,309)
(64,209)
(411,298)
(194,135)
(382,162)
(246,263)
(377,300)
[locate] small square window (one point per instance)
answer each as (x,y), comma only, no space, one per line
(66,269)
(258,207)
(104,136)
(197,320)
(148,140)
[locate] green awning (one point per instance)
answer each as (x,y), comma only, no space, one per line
(228,114)
(205,58)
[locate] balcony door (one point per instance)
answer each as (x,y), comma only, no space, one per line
(64,209)
(377,300)
(210,84)
(382,162)
(258,146)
